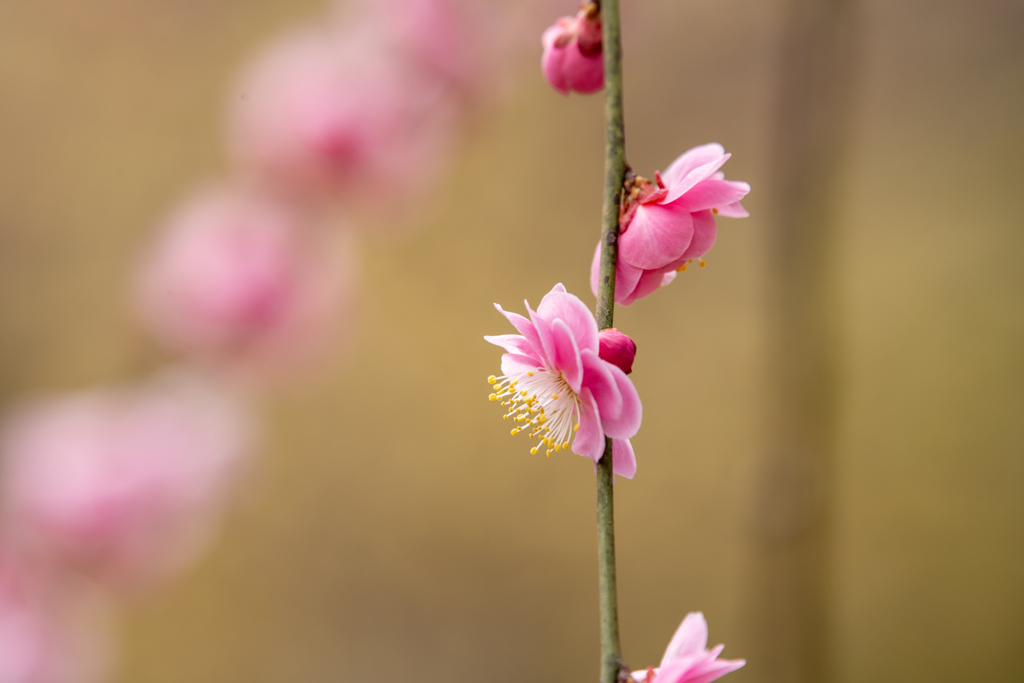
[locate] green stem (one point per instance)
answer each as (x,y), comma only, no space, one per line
(612,665)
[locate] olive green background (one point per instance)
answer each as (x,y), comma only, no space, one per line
(394,531)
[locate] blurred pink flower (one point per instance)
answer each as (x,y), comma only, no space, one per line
(687,660)
(335,116)
(557,387)
(124,485)
(243,280)
(48,634)
(572,58)
(665,225)
(447,39)
(618,349)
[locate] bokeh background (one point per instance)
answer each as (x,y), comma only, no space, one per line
(395,531)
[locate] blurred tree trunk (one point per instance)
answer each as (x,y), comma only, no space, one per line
(789,591)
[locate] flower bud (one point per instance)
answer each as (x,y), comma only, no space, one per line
(617,349)
(572,57)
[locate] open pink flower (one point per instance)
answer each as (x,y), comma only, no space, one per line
(687,659)
(557,387)
(572,58)
(49,633)
(242,280)
(666,224)
(125,485)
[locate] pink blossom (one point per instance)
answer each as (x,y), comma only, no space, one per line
(334,115)
(242,280)
(666,224)
(447,39)
(48,633)
(618,349)
(126,484)
(687,659)
(557,387)
(572,58)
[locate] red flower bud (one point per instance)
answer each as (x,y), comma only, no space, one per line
(617,349)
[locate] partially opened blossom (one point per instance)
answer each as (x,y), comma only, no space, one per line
(124,485)
(687,659)
(49,632)
(666,224)
(572,58)
(557,387)
(240,279)
(335,116)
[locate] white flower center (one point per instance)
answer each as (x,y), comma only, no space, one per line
(543,404)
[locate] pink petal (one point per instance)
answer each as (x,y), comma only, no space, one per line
(598,378)
(623,458)
(658,234)
(693,177)
(678,670)
(713,670)
(690,160)
(589,441)
(712,194)
(626,425)
(582,73)
(547,343)
(649,283)
(513,364)
(513,343)
(690,638)
(525,328)
(669,278)
(626,276)
(567,354)
(734,210)
(705,231)
(558,304)
(552,62)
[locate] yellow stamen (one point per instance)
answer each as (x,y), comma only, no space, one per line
(492,379)
(714,211)
(702,263)
(492,397)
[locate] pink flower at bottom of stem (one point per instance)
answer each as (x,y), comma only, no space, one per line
(687,659)
(123,485)
(665,225)
(558,389)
